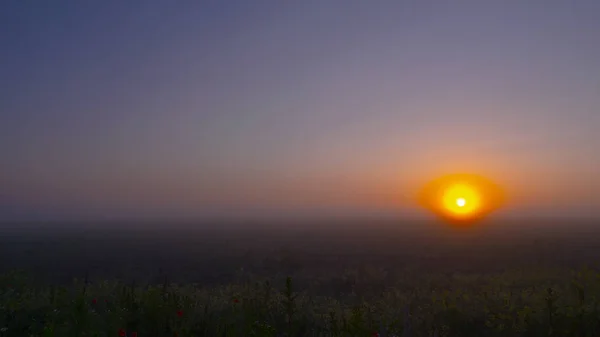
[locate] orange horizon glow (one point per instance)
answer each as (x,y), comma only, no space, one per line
(461,198)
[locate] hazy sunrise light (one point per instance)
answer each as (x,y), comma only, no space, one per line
(300,168)
(461,197)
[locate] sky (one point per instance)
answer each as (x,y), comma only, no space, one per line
(149,109)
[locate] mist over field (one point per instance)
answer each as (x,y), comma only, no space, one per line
(217,251)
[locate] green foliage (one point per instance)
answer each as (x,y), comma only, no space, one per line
(508,304)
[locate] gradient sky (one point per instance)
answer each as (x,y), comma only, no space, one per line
(185,108)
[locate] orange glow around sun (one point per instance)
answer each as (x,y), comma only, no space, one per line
(461,197)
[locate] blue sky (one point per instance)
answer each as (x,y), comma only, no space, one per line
(152,108)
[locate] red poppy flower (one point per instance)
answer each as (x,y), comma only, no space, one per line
(94,301)
(375,334)
(235,300)
(134,334)
(122,333)
(179,313)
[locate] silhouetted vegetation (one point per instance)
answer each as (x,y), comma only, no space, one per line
(304,283)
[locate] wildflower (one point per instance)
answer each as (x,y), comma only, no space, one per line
(235,300)
(179,313)
(122,333)
(375,334)
(134,334)
(94,301)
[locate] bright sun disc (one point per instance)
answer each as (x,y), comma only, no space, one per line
(461,197)
(455,199)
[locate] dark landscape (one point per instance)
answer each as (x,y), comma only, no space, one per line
(372,276)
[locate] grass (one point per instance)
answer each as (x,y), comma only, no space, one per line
(513,303)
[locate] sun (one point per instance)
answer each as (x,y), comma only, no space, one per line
(461,197)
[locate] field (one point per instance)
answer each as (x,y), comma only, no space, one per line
(361,278)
